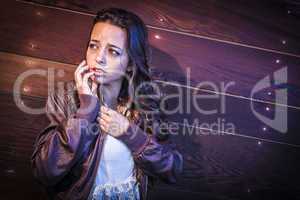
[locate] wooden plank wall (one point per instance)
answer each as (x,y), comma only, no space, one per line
(217,41)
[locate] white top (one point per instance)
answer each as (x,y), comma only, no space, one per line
(116,163)
(115,172)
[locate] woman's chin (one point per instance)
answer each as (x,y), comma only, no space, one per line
(103,80)
(106,80)
(100,80)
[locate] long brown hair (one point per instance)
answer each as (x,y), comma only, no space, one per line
(139,56)
(137,46)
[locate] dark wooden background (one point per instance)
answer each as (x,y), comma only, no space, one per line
(220,41)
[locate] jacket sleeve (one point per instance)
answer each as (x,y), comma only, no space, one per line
(156,159)
(155,153)
(63,142)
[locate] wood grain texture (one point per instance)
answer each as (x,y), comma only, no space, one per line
(215,166)
(45,37)
(188,103)
(254,164)
(34,75)
(259,23)
(197,111)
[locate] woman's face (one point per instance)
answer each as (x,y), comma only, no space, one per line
(107,53)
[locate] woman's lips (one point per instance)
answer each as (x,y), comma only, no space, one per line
(98,71)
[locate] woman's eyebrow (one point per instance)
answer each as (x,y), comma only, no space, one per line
(115,46)
(97,41)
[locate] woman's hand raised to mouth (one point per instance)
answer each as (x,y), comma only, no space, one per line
(82,76)
(110,120)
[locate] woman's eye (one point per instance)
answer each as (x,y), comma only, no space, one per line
(93,46)
(114,52)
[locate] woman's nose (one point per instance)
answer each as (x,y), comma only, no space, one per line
(100,59)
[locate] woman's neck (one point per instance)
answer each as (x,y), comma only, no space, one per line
(110,93)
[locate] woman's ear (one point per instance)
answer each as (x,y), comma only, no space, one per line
(129,67)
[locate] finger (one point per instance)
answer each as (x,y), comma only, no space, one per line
(103,125)
(86,77)
(94,88)
(83,69)
(98,119)
(107,118)
(81,64)
(103,128)
(78,74)
(103,110)
(106,110)
(104,113)
(102,121)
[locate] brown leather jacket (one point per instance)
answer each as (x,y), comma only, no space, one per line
(67,152)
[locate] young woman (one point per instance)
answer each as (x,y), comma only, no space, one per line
(105,140)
